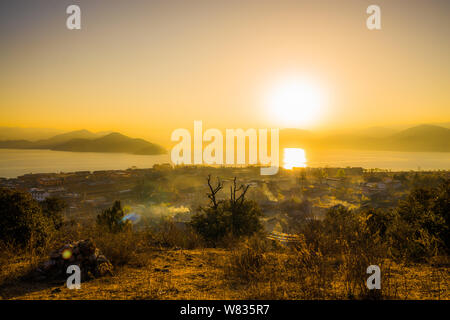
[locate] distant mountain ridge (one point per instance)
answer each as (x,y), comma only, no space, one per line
(421,138)
(63,138)
(86,141)
(32,134)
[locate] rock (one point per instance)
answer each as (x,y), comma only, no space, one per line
(87,247)
(82,253)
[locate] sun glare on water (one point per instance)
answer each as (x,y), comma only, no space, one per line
(294,158)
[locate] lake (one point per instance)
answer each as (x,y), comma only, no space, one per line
(15,162)
(393,160)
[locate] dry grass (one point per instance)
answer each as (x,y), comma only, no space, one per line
(167,265)
(261,272)
(225,274)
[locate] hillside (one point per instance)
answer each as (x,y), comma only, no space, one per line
(16,144)
(31,134)
(376,132)
(205,274)
(425,138)
(86,141)
(113,142)
(62,138)
(49,142)
(422,138)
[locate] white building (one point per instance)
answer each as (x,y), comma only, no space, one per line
(39,194)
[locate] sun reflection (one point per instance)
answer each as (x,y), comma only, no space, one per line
(294,158)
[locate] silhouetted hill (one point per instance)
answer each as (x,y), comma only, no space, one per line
(113,142)
(86,141)
(31,134)
(427,138)
(16,144)
(430,138)
(65,137)
(421,138)
(425,130)
(443,124)
(376,132)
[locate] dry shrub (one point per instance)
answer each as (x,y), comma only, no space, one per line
(171,235)
(121,248)
(295,272)
(354,276)
(14,263)
(247,263)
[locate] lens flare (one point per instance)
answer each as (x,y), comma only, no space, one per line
(132,217)
(66,254)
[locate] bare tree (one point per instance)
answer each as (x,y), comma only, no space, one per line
(214,191)
(234,189)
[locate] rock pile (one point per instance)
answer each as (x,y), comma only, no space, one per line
(82,253)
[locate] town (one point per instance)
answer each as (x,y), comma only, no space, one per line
(177,192)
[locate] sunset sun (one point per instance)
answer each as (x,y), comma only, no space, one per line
(295,102)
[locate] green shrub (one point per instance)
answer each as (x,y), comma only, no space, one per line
(235,217)
(112,219)
(23,222)
(423,222)
(52,208)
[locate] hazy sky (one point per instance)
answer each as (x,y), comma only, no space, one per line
(145,68)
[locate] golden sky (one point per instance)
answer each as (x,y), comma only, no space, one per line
(145,68)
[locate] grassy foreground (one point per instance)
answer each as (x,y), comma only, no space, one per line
(226,274)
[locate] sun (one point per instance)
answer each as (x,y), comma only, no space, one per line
(295,102)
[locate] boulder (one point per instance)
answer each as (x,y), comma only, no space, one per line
(82,253)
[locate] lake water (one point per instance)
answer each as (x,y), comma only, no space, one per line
(14,163)
(400,161)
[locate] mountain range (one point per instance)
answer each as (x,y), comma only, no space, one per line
(16,133)
(86,141)
(426,138)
